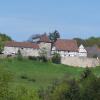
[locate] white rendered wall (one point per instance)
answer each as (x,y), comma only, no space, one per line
(24,51)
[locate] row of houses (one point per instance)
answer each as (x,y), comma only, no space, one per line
(64,47)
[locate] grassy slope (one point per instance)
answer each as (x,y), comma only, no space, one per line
(43,73)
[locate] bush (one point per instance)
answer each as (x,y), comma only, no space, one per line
(19,55)
(32,58)
(43,59)
(86,73)
(56,58)
(23,77)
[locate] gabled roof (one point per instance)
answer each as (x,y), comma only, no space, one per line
(22,44)
(66,45)
(82,49)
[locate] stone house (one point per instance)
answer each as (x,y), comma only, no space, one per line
(26,48)
(32,48)
(68,48)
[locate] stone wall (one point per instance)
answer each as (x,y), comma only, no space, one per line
(47,46)
(24,51)
(80,61)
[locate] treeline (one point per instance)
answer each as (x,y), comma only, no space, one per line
(88,42)
(4,37)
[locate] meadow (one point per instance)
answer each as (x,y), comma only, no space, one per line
(35,74)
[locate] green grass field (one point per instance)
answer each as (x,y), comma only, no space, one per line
(38,74)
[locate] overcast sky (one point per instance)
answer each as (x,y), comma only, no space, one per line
(72,18)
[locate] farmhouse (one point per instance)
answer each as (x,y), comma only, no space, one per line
(65,47)
(26,48)
(68,48)
(32,48)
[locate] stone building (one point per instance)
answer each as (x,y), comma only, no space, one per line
(64,47)
(68,48)
(26,48)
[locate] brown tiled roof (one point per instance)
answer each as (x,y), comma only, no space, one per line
(21,44)
(66,45)
(44,38)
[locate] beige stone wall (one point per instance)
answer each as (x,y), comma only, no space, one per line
(29,52)
(24,51)
(47,46)
(80,62)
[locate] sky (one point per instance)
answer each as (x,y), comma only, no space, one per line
(72,18)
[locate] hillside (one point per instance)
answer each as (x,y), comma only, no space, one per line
(35,74)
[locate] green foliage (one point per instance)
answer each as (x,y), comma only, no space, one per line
(4,37)
(86,73)
(19,56)
(5,78)
(63,88)
(88,89)
(43,73)
(22,93)
(56,58)
(54,35)
(1,46)
(88,42)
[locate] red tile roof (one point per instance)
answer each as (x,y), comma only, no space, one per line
(66,45)
(22,44)
(44,38)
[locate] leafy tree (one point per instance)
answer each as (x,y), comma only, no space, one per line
(56,58)
(4,37)
(88,42)
(54,35)
(1,47)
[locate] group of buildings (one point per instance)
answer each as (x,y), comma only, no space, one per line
(64,47)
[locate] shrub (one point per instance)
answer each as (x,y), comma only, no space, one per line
(86,73)
(24,77)
(32,80)
(56,58)
(43,59)
(32,58)
(19,55)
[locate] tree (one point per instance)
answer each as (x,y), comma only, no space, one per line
(56,58)
(1,47)
(54,35)
(4,37)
